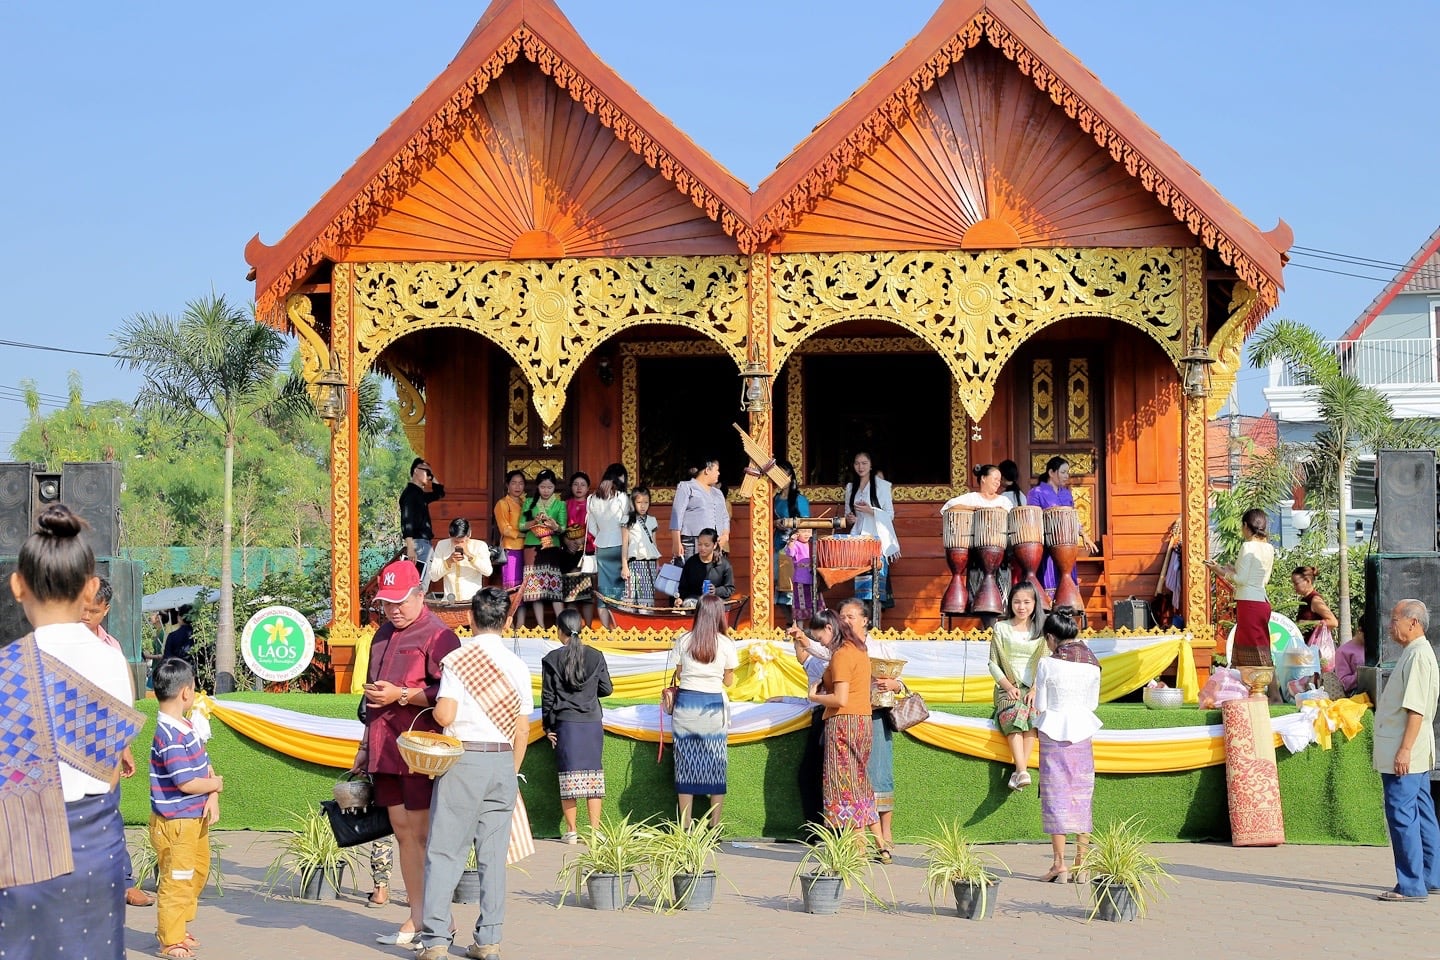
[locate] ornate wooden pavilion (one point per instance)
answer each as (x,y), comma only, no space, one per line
(983,244)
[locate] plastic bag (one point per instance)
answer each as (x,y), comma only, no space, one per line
(1224,684)
(1322,641)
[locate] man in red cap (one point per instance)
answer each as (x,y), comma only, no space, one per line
(404,680)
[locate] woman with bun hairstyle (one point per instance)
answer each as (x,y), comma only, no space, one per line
(62,876)
(989,481)
(1248,577)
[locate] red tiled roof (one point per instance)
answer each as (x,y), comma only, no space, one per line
(1258,435)
(1420,275)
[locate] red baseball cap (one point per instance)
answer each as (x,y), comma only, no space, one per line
(397,581)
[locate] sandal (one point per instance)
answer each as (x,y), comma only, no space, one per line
(176,951)
(885,857)
(190,942)
(378,897)
(1395,896)
(1056,874)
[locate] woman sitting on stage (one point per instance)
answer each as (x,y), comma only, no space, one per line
(844,691)
(708,564)
(1067,691)
(1248,578)
(1016,647)
(704,662)
(1053,490)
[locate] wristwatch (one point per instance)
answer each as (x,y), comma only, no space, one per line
(404,696)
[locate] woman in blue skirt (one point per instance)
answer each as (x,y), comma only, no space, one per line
(704,662)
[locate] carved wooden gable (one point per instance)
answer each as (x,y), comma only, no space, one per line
(985,160)
(534,174)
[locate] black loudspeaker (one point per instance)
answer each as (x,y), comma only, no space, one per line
(125,622)
(92,490)
(15,493)
(1405,497)
(1390,578)
(1133,614)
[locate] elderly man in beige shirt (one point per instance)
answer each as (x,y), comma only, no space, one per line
(1405,753)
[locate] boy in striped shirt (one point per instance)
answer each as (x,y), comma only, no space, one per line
(184,801)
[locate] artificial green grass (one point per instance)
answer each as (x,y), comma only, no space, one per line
(1329,797)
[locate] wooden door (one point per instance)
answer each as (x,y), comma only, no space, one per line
(1060,411)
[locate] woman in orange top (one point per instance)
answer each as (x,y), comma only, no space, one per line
(844,692)
(512,539)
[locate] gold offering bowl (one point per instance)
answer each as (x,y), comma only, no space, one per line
(1257,679)
(882,668)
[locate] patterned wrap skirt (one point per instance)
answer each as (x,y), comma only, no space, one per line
(512,574)
(91,900)
(543,579)
(578,746)
(1067,785)
(847,796)
(641,587)
(1252,635)
(701,743)
(881,767)
(805,602)
(607,561)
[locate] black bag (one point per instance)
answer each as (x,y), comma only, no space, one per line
(352,828)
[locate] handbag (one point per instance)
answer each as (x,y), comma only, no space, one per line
(668,695)
(352,828)
(667,581)
(909,710)
(589,563)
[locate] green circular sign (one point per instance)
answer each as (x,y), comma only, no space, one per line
(278,643)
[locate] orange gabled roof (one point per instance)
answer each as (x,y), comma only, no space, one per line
(1420,275)
(869,117)
(509,29)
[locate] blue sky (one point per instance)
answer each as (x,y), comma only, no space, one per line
(150,141)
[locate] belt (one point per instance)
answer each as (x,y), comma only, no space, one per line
(477,747)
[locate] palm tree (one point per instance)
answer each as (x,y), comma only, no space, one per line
(1354,417)
(213,367)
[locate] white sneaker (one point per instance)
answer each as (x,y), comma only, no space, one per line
(570,838)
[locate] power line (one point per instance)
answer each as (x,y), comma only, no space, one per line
(1341,273)
(41,346)
(1316,251)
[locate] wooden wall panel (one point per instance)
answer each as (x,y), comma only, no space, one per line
(457,370)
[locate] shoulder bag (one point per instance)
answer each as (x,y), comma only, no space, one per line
(909,710)
(354,827)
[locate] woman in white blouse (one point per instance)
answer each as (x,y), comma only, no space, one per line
(1067,691)
(606,514)
(870,507)
(1248,578)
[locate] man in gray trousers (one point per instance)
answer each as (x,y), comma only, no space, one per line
(485,702)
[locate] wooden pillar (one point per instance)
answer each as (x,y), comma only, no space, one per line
(1195,486)
(344,470)
(762,511)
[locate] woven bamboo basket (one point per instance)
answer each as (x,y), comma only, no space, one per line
(428,753)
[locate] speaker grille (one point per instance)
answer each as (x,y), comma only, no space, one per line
(93,491)
(1405,496)
(1390,578)
(14,511)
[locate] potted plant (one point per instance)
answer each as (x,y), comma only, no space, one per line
(683,868)
(836,859)
(309,854)
(1124,877)
(954,860)
(468,889)
(614,851)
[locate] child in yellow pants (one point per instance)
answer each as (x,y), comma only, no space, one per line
(184,801)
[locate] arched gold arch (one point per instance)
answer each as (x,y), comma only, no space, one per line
(550,315)
(977,308)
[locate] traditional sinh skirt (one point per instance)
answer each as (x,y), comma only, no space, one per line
(76,915)
(701,749)
(848,797)
(641,587)
(607,559)
(1067,785)
(543,580)
(578,746)
(512,574)
(805,601)
(1252,635)
(881,767)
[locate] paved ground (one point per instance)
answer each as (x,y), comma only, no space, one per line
(1227,902)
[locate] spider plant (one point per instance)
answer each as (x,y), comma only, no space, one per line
(1117,857)
(309,849)
(843,853)
(680,851)
(953,859)
(614,846)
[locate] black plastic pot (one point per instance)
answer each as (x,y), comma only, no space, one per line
(695,891)
(319,887)
(976,901)
(1114,902)
(608,890)
(821,894)
(468,889)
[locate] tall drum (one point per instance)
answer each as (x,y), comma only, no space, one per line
(1062,540)
(989,537)
(958,522)
(1027,543)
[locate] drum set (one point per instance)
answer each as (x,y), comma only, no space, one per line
(981,538)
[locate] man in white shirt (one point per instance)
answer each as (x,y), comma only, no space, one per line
(460,564)
(484,701)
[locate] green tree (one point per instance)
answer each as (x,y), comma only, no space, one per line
(213,368)
(1354,417)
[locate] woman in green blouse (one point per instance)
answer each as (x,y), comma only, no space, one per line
(1015,649)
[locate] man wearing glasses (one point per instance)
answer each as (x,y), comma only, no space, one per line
(1405,753)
